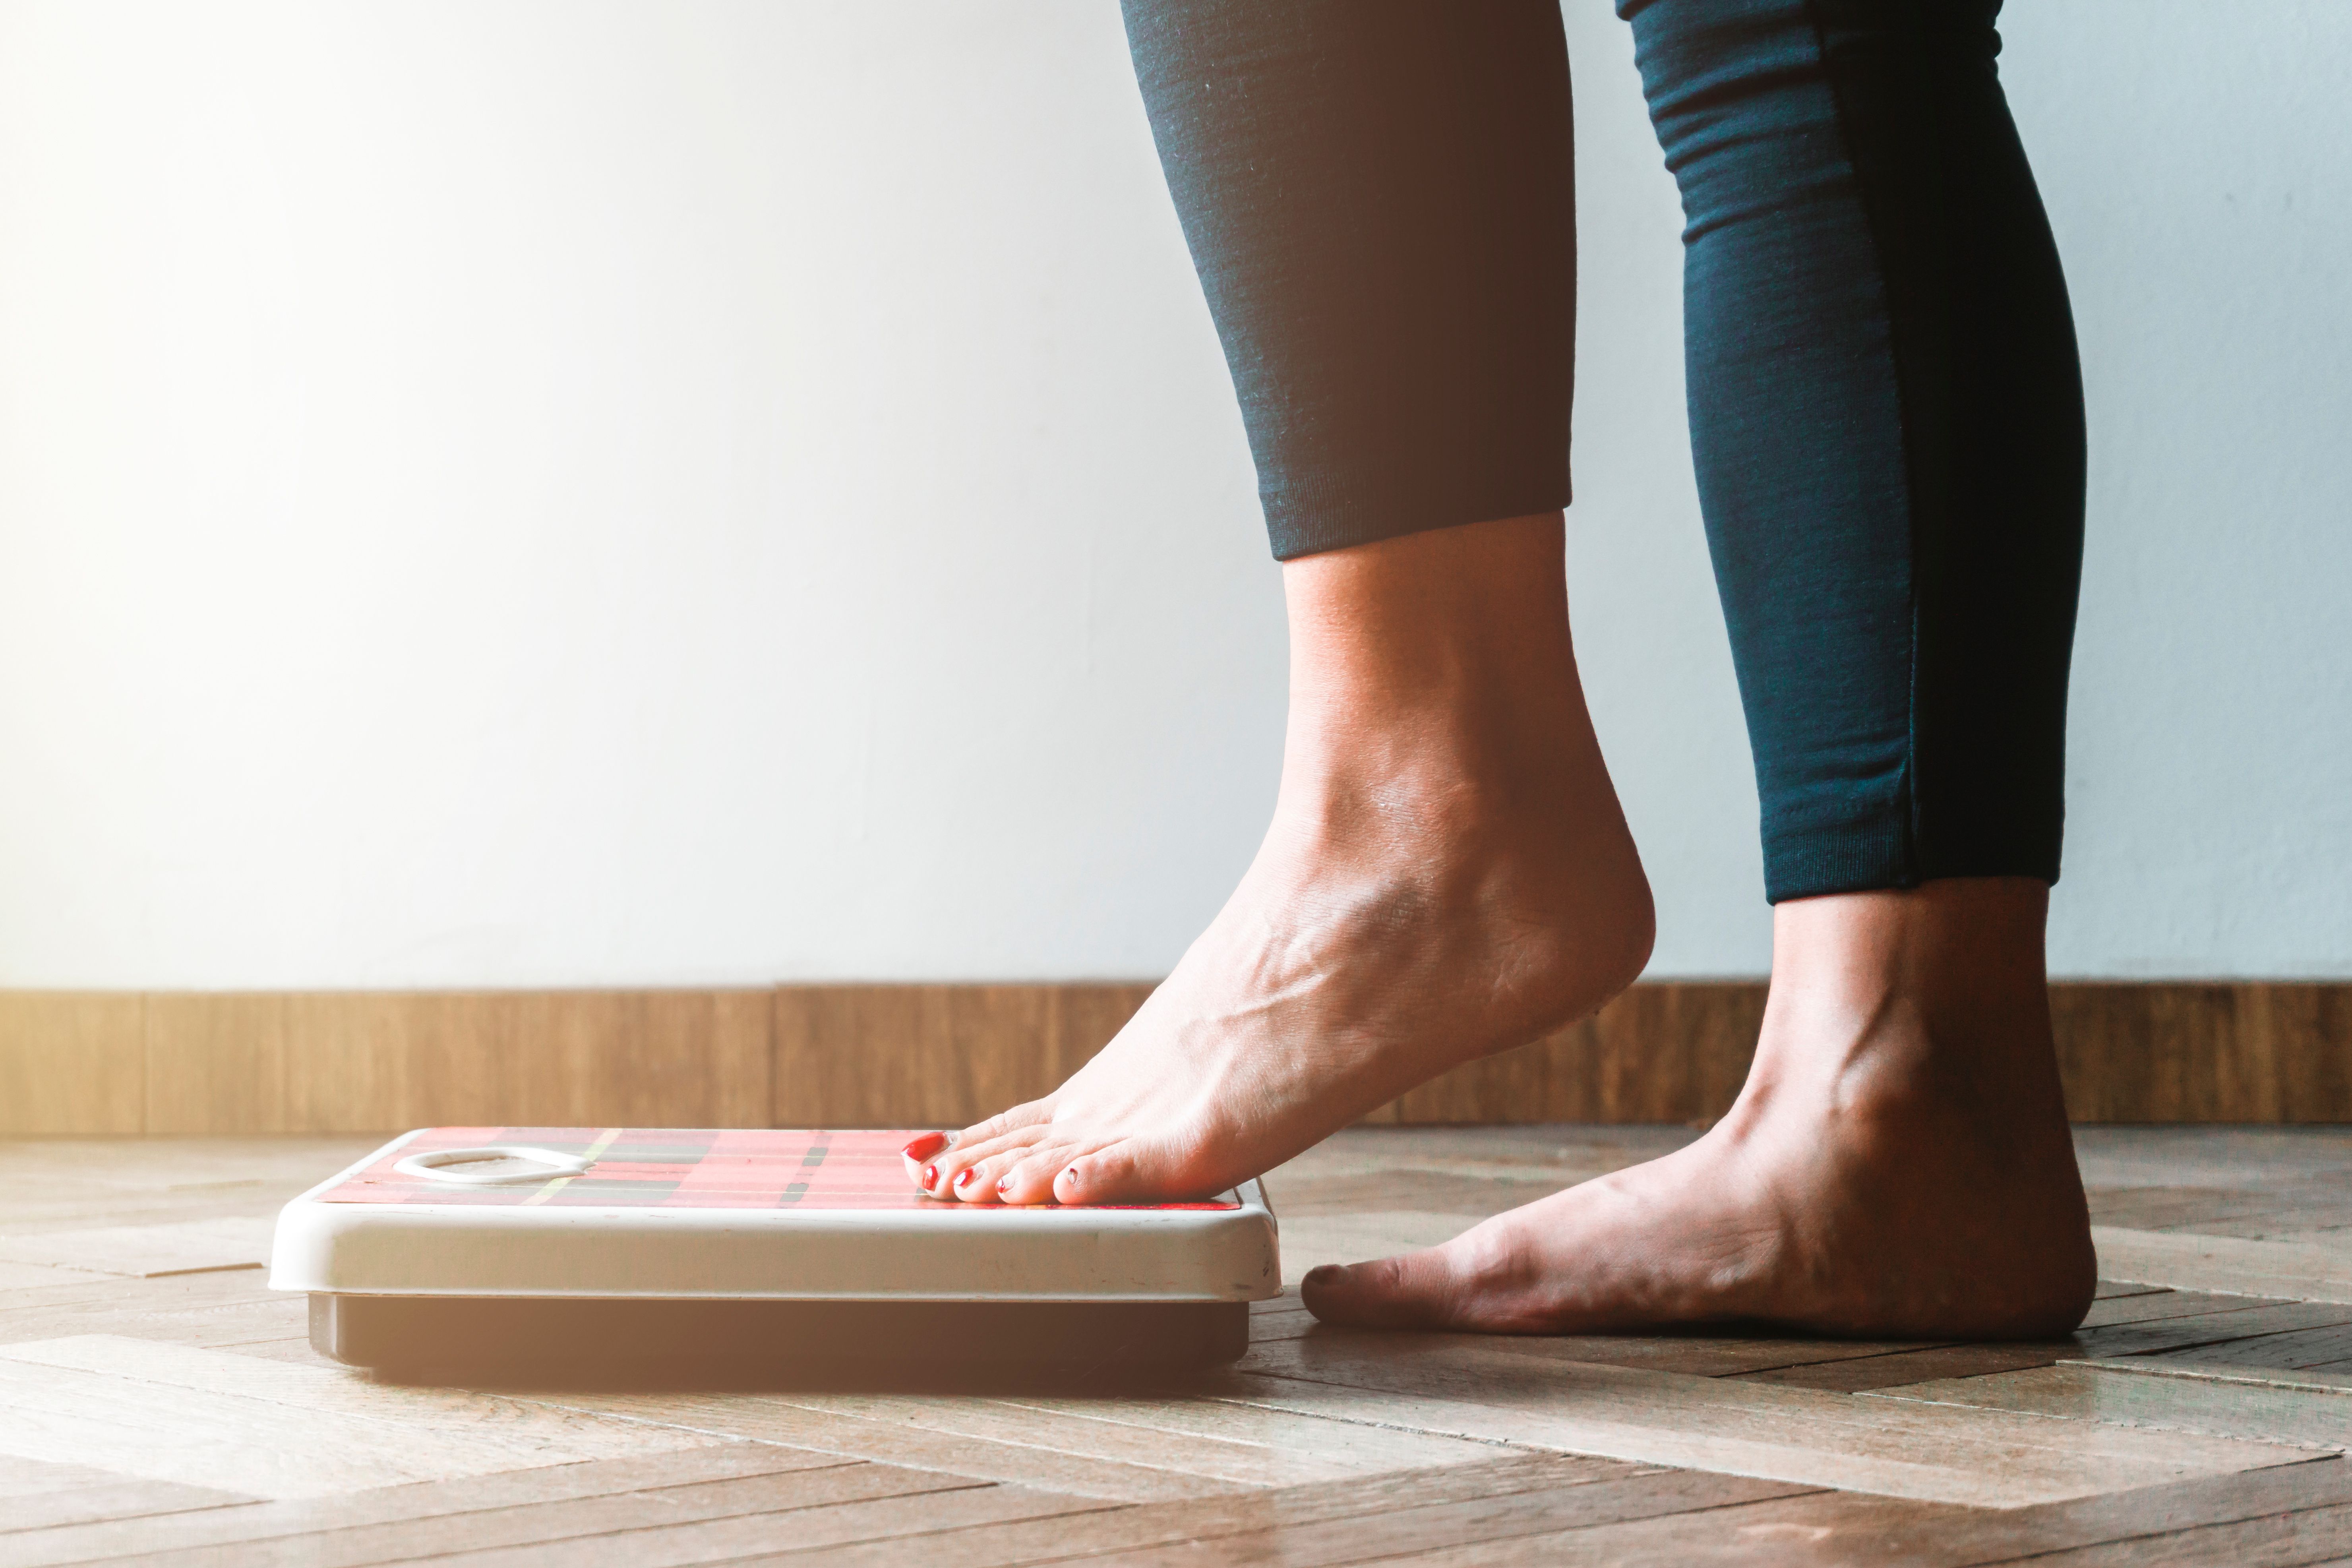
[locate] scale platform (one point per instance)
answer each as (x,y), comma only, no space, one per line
(523,1251)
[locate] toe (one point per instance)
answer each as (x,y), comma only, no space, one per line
(1028,1177)
(920,1152)
(1417,1290)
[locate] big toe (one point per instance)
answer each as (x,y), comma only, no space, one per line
(1418,1290)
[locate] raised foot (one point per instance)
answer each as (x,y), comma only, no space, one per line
(1328,987)
(1448,875)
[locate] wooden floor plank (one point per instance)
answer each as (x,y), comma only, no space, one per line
(1696,1354)
(2316,1225)
(1234,1460)
(1848,1528)
(2294,1351)
(171,1413)
(2302,1270)
(2198,1333)
(574,1525)
(2282,1541)
(1738,1428)
(213,1325)
(115,1292)
(24,1478)
(2159,1302)
(2116,1326)
(2319,1379)
(1334,1447)
(1815,1529)
(2102,1392)
(240,1531)
(146,1251)
(117,1500)
(1862,1373)
(1008,1544)
(40,1216)
(748,1538)
(32,1275)
(1131,1448)
(2111,1288)
(770,1418)
(296,1348)
(2146,1337)
(2164,1209)
(1511,1518)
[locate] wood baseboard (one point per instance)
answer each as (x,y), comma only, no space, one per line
(844,1056)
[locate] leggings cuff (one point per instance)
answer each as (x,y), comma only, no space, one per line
(1311,518)
(1873,856)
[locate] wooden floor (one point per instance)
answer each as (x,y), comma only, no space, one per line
(158,1403)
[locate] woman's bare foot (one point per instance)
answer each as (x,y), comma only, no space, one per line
(1898,1165)
(1448,874)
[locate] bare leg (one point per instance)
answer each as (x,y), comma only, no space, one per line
(1447,875)
(1897,1165)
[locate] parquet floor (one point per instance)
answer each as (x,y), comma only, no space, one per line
(158,1404)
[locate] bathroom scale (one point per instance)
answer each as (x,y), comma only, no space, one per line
(523,1250)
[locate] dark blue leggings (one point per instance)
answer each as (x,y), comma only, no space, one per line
(1885,405)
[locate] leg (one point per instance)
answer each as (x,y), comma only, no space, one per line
(1377,195)
(1887,417)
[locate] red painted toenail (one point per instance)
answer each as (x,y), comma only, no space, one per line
(963,1178)
(931,1175)
(929,1145)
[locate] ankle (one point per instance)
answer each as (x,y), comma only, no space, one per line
(1962,953)
(1439,740)
(1931,1000)
(1434,688)
(1455,633)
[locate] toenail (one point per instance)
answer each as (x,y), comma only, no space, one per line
(1004,1185)
(963,1178)
(923,1147)
(931,1175)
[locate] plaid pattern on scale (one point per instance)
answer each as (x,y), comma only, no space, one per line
(678,1167)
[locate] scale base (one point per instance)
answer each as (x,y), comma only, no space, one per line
(508,1338)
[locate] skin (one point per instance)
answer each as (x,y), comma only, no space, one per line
(1447,875)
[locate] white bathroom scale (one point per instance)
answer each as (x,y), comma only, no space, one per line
(512,1250)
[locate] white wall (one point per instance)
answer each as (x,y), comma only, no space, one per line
(566,491)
